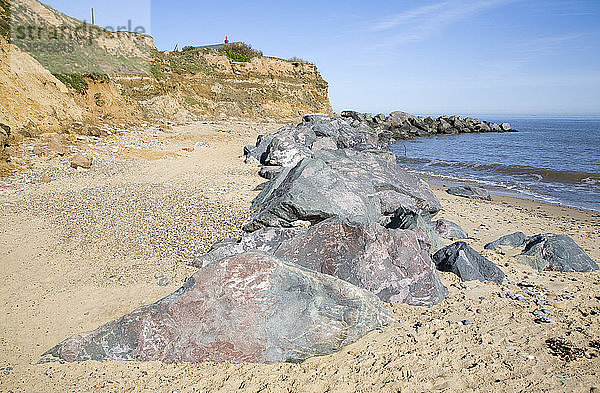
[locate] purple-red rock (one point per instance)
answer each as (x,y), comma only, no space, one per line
(394,264)
(247,308)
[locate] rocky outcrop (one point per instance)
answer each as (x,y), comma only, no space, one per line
(247,308)
(466,263)
(402,125)
(558,253)
(471,192)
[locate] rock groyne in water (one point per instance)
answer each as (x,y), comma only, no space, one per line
(403,125)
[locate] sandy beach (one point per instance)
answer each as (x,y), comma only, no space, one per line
(82,247)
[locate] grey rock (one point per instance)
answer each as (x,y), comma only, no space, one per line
(285,152)
(358,186)
(247,308)
(517,239)
(343,133)
(315,117)
(324,143)
(470,192)
(467,263)
(505,126)
(353,115)
(404,219)
(267,240)
(449,230)
(270,171)
(258,154)
(558,253)
(392,263)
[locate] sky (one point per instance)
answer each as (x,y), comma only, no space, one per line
(497,57)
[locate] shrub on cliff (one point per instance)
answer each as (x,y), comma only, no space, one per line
(298,60)
(240,51)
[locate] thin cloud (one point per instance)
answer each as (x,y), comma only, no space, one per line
(409,16)
(421,23)
(548,44)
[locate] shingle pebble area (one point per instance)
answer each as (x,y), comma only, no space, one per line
(109,210)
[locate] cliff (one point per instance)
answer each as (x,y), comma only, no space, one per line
(123,77)
(207,83)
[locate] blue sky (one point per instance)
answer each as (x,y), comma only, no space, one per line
(523,57)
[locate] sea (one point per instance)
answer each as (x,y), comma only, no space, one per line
(553,160)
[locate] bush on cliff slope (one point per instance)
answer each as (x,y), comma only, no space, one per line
(240,51)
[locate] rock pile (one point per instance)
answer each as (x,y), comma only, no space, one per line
(401,125)
(338,229)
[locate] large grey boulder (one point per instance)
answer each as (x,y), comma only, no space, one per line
(558,253)
(247,308)
(449,230)
(351,185)
(288,145)
(343,133)
(392,263)
(467,263)
(517,239)
(471,192)
(259,152)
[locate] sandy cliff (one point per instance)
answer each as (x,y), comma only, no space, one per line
(162,85)
(209,84)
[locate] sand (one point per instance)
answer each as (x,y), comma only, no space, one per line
(90,246)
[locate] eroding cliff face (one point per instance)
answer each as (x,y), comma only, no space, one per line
(30,96)
(123,77)
(208,84)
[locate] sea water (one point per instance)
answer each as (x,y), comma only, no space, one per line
(554,160)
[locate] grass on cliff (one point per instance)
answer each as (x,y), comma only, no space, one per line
(191,101)
(78,82)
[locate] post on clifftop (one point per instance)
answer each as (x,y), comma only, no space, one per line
(93,19)
(226,40)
